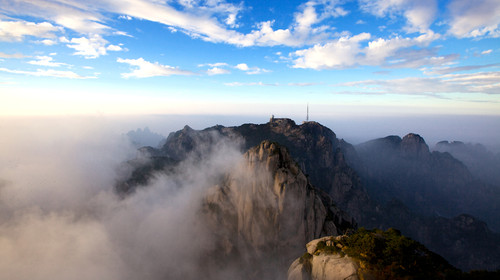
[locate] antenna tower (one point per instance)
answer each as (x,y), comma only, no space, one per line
(307,116)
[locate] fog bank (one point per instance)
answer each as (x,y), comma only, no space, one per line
(59,216)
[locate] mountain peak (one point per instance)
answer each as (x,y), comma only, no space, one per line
(414,146)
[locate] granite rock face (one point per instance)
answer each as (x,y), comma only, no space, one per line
(265,210)
(325,267)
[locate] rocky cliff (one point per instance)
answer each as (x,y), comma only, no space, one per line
(314,147)
(264,211)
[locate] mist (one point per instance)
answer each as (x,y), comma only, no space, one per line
(60,217)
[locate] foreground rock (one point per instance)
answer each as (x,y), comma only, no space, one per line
(369,255)
(323,266)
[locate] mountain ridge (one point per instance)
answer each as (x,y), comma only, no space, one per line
(333,166)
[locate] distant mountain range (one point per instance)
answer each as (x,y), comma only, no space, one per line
(300,182)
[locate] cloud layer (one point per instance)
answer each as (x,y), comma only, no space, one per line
(60,218)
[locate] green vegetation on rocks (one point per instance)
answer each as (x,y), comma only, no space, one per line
(388,255)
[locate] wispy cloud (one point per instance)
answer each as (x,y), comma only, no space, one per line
(486,52)
(474,18)
(482,82)
(211,21)
(250,70)
(348,51)
(418,14)
(146,69)
(448,70)
(217,71)
(223,68)
(48,73)
(14,55)
(239,84)
(46,61)
(17,30)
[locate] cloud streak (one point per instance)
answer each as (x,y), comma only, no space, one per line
(146,69)
(474,19)
(17,30)
(481,82)
(48,73)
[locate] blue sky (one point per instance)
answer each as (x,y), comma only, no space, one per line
(360,58)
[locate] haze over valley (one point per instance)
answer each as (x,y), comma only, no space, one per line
(66,213)
(244,139)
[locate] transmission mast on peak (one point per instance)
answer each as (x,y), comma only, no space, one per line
(307,116)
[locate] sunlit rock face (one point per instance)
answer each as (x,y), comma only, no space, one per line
(265,210)
(323,266)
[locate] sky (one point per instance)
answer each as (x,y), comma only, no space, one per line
(355,58)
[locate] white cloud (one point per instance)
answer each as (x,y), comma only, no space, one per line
(486,51)
(481,82)
(449,70)
(14,55)
(239,84)
(301,84)
(125,17)
(221,68)
(122,33)
(48,73)
(418,14)
(114,48)
(242,67)
(206,20)
(347,51)
(47,42)
(146,69)
(340,53)
(217,71)
(46,61)
(475,18)
(250,70)
(91,47)
(17,30)
(217,64)
(79,16)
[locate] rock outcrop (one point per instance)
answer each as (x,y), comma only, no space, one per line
(323,266)
(369,255)
(265,210)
